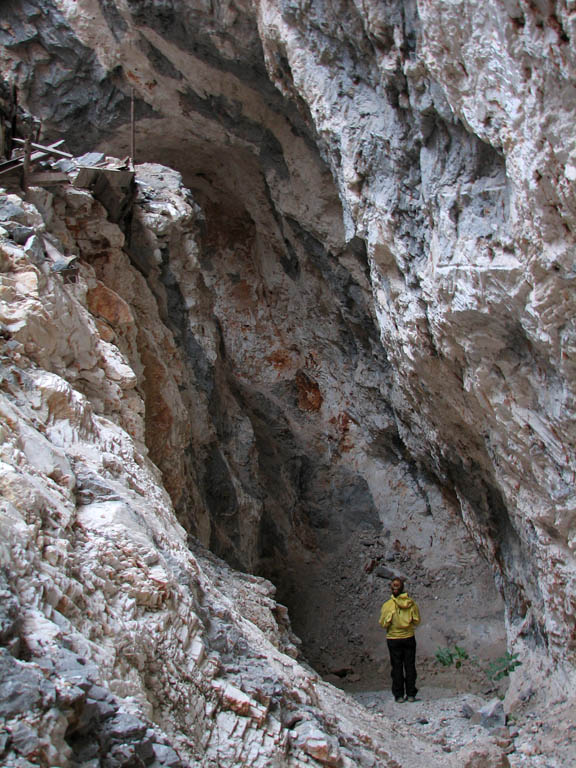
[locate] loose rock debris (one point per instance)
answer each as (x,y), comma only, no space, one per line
(454,721)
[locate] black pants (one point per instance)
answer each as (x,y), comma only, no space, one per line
(403,666)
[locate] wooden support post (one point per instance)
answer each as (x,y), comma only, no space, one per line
(13,114)
(26,171)
(133,131)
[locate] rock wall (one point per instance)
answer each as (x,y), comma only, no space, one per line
(278,441)
(365,338)
(123,641)
(439,169)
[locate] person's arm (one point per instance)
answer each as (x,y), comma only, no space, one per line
(385,617)
(415,615)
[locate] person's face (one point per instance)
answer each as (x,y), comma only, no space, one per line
(396,587)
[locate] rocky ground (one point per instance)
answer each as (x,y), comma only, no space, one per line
(458,714)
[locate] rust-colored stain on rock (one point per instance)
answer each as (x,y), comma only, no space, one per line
(104,329)
(342,424)
(280,359)
(108,304)
(159,418)
(309,396)
(242,295)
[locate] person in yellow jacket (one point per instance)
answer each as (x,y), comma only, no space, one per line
(398,616)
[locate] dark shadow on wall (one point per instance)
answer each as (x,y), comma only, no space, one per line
(511,555)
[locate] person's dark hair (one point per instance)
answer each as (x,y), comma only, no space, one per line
(397,578)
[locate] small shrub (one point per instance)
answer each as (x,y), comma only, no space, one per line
(449,656)
(502,666)
(444,657)
(495,670)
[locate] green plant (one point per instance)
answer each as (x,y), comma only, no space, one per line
(502,666)
(449,656)
(494,670)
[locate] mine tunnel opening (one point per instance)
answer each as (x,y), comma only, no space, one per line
(301,473)
(296,470)
(283,499)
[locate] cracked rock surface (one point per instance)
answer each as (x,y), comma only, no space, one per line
(124,641)
(337,343)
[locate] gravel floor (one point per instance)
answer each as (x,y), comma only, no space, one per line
(437,717)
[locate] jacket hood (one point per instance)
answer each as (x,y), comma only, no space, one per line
(403,601)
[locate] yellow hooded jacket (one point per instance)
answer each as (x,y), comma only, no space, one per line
(398,616)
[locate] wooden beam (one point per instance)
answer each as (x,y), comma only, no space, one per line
(10,166)
(26,171)
(50,149)
(133,129)
(17,162)
(49,177)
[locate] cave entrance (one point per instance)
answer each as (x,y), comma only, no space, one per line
(296,471)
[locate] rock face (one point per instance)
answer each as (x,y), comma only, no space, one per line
(274,426)
(348,351)
(123,641)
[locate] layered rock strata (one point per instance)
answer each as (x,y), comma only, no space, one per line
(121,644)
(293,465)
(402,176)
